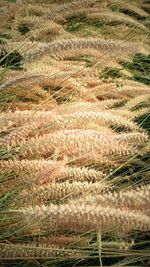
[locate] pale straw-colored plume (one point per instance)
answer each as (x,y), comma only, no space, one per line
(20,118)
(21,133)
(76,142)
(133,92)
(114,17)
(60,191)
(127,6)
(133,138)
(80,119)
(96,159)
(62,241)
(64,9)
(48,31)
(78,217)
(42,171)
(35,251)
(58,47)
(77,52)
(31,172)
(41,80)
(137,199)
(141,112)
(29,166)
(131,83)
(137,100)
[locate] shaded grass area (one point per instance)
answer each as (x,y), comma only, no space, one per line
(80,23)
(11,1)
(12,60)
(111,72)
(126,11)
(82,26)
(145,121)
(139,68)
(3,38)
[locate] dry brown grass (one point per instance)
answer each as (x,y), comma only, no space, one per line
(74,158)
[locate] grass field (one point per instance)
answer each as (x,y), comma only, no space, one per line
(74,133)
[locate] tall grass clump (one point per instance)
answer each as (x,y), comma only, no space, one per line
(74,133)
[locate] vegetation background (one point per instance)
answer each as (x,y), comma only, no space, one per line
(74,133)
